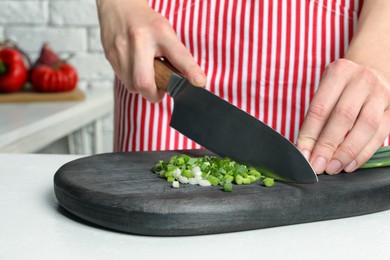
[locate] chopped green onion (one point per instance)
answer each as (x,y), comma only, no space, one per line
(187,173)
(171,167)
(192,160)
(207,171)
(228,186)
(238,179)
(268,182)
(180,161)
(196,171)
(255,173)
(213,180)
(169,174)
(175,184)
(204,183)
(252,178)
(183,179)
(228,178)
(193,181)
(177,173)
(246,181)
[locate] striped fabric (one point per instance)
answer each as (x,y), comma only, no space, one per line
(264,56)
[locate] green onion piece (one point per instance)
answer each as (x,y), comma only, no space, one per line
(187,173)
(252,178)
(238,179)
(213,180)
(228,187)
(268,182)
(175,184)
(168,174)
(246,181)
(171,179)
(242,169)
(219,176)
(185,157)
(180,161)
(228,178)
(255,173)
(192,161)
(171,167)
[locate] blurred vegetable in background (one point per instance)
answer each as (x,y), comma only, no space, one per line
(52,74)
(13,70)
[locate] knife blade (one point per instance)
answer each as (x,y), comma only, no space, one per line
(227,131)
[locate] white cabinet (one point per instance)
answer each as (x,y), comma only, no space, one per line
(41,126)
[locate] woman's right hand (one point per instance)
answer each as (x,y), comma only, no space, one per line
(133,34)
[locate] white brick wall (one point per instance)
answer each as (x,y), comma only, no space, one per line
(71,28)
(94,43)
(24,12)
(64,40)
(73,13)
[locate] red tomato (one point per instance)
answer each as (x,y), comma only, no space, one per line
(54,79)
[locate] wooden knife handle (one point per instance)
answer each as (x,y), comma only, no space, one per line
(163,71)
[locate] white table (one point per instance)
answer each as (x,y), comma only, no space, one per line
(33,227)
(28,127)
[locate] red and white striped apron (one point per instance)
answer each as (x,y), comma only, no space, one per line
(264,56)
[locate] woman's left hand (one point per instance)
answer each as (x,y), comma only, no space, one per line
(348,118)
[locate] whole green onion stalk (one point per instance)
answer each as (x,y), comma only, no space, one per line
(381,158)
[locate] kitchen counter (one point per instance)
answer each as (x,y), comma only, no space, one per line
(33,226)
(30,126)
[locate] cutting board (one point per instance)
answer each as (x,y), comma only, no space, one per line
(118,191)
(32,96)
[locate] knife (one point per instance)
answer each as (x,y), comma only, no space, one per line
(227,131)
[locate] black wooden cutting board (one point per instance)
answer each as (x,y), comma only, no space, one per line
(118,191)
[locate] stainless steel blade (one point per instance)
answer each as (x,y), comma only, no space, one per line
(230,132)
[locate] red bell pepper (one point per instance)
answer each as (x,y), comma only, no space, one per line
(13,71)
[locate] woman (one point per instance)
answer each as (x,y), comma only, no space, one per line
(267,58)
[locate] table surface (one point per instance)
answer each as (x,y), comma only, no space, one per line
(28,127)
(33,226)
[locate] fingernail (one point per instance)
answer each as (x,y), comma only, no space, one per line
(306,154)
(319,164)
(351,167)
(334,167)
(200,80)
